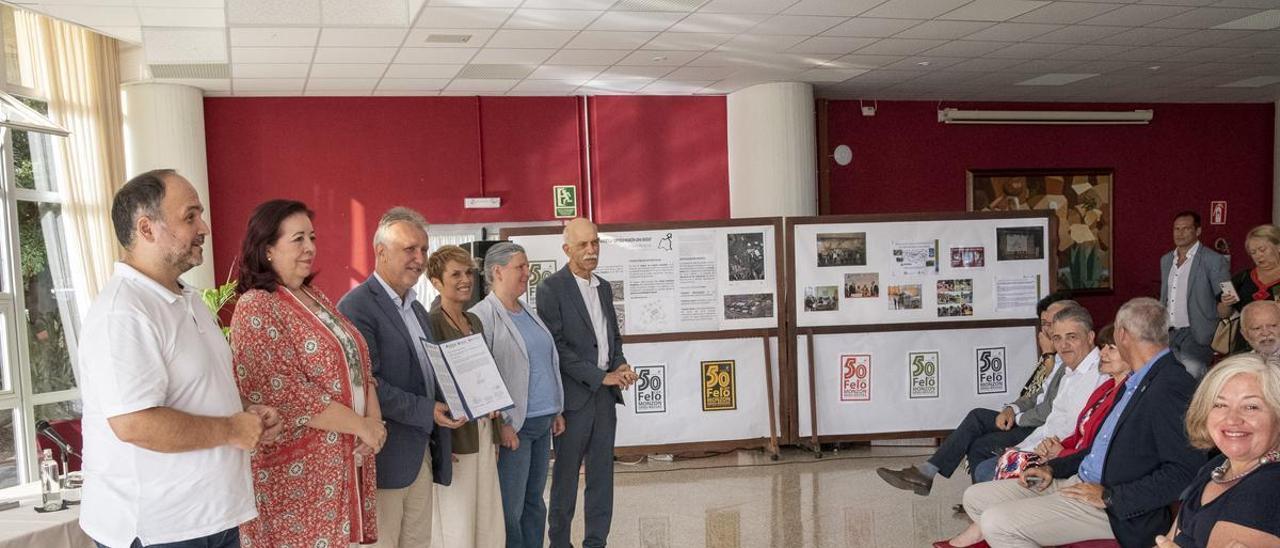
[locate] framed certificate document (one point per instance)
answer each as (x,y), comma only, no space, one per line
(468,376)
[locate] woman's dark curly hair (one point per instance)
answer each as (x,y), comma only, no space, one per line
(262,232)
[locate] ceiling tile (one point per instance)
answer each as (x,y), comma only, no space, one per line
(586,57)
(342,84)
(551,19)
(743,6)
(1206,55)
(1065,13)
(182,17)
(472,84)
(993,10)
(831,7)
(983,65)
(1257,4)
(413,84)
(1078,34)
(872,27)
(900,46)
(1151,53)
(275,12)
(476,3)
(545,86)
(858,60)
(131,34)
(1142,36)
(1203,18)
(440,56)
(504,56)
(659,58)
(616,86)
(1264,39)
(1013,32)
(1090,52)
(966,48)
(628,72)
(1204,38)
(164,45)
(831,44)
(347,70)
(400,70)
(701,73)
(365,37)
(1137,15)
(508,38)
(1059,79)
(923,63)
(1027,51)
(432,38)
(274,36)
(1103,67)
(667,87)
(592,39)
(268,84)
(270,70)
(829,75)
(598,5)
(462,18)
(914,9)
(717,23)
(761,42)
(382,13)
(796,24)
(691,41)
(579,73)
(635,21)
(272,55)
(354,55)
(93,16)
(943,30)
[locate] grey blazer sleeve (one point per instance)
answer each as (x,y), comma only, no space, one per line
(1219,271)
(398,405)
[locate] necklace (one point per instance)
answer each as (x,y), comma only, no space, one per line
(455,325)
(1219,474)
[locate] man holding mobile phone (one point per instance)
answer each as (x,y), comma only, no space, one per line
(1191,278)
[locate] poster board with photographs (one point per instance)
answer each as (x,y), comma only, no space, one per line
(911,381)
(677,278)
(872,270)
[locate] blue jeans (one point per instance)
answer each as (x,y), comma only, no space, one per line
(224,539)
(985,470)
(522,476)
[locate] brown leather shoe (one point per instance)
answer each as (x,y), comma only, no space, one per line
(907,479)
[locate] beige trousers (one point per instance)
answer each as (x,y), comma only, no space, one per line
(468,513)
(1013,516)
(404,515)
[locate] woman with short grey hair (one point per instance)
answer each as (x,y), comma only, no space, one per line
(526,355)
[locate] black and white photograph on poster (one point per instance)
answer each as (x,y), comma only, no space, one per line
(823,298)
(905,297)
(619,290)
(620,310)
(650,389)
(1019,243)
(655,532)
(845,249)
(861,286)
(751,305)
(923,368)
(968,257)
(955,298)
(990,366)
(746,257)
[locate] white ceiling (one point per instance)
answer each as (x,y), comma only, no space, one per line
(1021,50)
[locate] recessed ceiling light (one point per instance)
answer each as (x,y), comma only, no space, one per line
(923,63)
(659,58)
(1154,67)
(447,38)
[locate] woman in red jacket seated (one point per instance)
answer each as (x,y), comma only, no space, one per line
(1012,462)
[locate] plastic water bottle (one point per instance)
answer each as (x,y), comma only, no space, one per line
(50,487)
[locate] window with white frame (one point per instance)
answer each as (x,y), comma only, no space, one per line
(38,320)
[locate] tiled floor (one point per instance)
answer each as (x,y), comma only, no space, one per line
(744,500)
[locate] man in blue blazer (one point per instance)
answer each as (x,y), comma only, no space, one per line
(577,307)
(386,311)
(1190,284)
(1139,462)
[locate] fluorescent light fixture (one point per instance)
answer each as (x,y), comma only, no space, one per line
(1045,117)
(1057,79)
(1263,20)
(1255,82)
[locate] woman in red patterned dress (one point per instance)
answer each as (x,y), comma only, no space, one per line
(293,350)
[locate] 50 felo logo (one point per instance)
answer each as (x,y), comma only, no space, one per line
(719,392)
(651,389)
(855,377)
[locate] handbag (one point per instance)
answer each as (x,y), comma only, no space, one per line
(1225,335)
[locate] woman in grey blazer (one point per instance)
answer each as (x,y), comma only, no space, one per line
(530,366)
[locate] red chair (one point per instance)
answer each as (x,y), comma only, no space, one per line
(70,431)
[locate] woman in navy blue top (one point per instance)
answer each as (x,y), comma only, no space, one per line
(1233,500)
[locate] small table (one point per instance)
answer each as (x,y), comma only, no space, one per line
(23,527)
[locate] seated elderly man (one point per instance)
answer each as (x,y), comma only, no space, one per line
(985,433)
(1260,326)
(1138,464)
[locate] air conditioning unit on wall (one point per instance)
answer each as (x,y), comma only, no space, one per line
(1046,117)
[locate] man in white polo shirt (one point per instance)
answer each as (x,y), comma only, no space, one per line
(166,436)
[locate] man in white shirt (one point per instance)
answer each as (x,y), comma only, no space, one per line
(166,435)
(1190,282)
(1073,339)
(577,307)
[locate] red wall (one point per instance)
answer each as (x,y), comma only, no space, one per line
(350,159)
(905,161)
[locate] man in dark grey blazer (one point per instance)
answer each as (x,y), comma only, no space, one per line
(577,307)
(386,311)
(1191,279)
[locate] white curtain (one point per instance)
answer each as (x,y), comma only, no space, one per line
(79,69)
